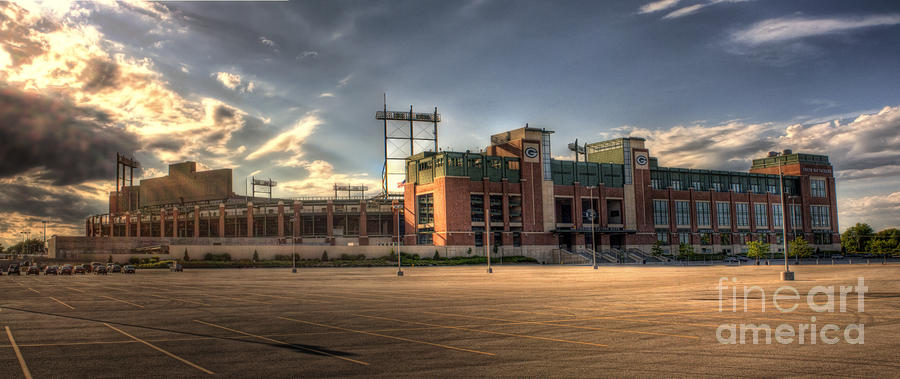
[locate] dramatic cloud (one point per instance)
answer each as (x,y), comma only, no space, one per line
(291,140)
(791,28)
(70,144)
(684,11)
(267,42)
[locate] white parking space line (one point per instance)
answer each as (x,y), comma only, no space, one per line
(159,349)
(12,341)
(59,301)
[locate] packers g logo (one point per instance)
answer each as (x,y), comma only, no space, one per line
(531,152)
(641,160)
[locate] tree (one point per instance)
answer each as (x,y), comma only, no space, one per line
(685,250)
(324,256)
(109,259)
(657,250)
(186,257)
(799,248)
(436,255)
(891,235)
(881,247)
(757,249)
(255,256)
(856,237)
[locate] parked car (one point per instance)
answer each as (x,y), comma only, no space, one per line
(114,268)
(128,269)
(731,260)
(837,256)
(13,269)
(101,269)
(86,267)
(78,269)
(176,267)
(33,270)
(65,270)
(51,270)
(95,264)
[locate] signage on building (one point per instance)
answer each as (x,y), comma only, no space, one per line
(641,160)
(817,170)
(531,152)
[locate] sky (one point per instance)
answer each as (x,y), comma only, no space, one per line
(288,90)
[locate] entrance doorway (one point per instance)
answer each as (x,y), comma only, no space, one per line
(565,241)
(617,241)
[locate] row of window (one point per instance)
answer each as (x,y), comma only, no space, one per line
(662,236)
(819,214)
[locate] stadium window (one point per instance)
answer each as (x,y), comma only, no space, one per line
(660,212)
(817,187)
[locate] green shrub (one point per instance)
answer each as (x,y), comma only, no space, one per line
(324,256)
(436,255)
(217,257)
(255,256)
(134,260)
(186,257)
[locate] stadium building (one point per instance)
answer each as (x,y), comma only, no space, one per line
(514,194)
(617,200)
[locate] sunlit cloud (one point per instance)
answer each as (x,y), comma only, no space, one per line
(291,140)
(657,6)
(791,28)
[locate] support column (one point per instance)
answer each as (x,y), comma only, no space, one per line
(221,220)
(298,206)
(162,222)
(329,221)
(363,232)
(112,225)
(89,227)
(127,224)
(196,221)
(280,219)
(249,219)
(175,222)
(139,215)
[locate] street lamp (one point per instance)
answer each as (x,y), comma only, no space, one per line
(398,207)
(787,274)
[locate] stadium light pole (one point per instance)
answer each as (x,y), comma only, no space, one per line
(787,274)
(398,207)
(487,236)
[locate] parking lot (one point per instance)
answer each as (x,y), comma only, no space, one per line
(434,321)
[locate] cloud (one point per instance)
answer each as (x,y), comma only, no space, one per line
(308,55)
(729,146)
(684,11)
(321,177)
(879,211)
(233,81)
(267,42)
(657,6)
(71,144)
(792,28)
(326,94)
(345,80)
(865,147)
(291,140)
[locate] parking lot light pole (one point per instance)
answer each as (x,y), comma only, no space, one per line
(593,214)
(787,274)
(398,207)
(293,256)
(487,236)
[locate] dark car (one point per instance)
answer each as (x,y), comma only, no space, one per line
(13,269)
(78,269)
(86,267)
(115,268)
(128,269)
(33,270)
(175,267)
(51,270)
(99,270)
(66,270)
